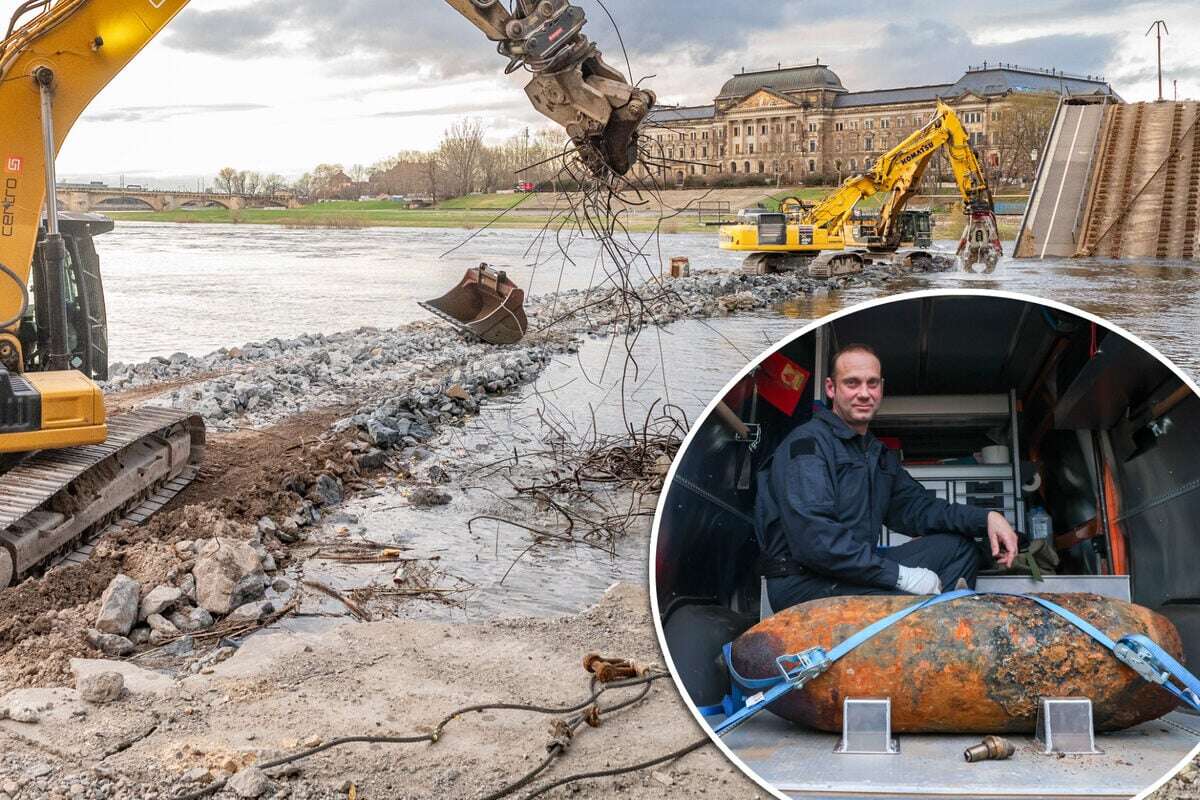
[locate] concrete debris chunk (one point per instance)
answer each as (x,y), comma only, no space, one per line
(228,574)
(109,643)
(160,599)
(250,613)
(249,783)
(100,687)
(119,606)
(326,491)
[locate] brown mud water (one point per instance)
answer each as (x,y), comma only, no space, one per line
(974,665)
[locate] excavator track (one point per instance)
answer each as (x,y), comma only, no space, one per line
(56,503)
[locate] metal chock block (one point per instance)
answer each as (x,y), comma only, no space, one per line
(867,727)
(1064,725)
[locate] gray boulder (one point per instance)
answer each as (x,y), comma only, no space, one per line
(228,574)
(249,783)
(100,687)
(119,606)
(160,599)
(109,643)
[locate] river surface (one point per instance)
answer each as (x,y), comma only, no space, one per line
(197,287)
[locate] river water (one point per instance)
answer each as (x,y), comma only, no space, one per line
(196,287)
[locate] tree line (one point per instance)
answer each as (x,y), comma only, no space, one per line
(462,163)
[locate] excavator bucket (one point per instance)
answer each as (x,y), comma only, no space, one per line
(485,304)
(980,242)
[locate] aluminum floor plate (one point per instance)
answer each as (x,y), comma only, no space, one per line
(801,763)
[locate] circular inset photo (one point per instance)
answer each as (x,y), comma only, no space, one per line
(941,545)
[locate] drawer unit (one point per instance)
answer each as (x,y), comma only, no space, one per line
(989,486)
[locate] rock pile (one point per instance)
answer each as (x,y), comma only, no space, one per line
(263,382)
(218,579)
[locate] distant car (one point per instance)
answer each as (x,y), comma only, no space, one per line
(523,186)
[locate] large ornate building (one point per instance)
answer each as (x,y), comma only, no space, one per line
(800,124)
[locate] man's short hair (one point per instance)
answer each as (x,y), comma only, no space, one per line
(855,347)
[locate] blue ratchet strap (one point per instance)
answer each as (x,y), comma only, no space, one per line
(798,669)
(1136,651)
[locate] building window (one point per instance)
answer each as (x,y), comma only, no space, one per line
(916,122)
(853,124)
(693,136)
(837,126)
(812,165)
(995,116)
(791,127)
(749,130)
(733,166)
(761,167)
(722,150)
(812,127)
(868,124)
(853,164)
(868,143)
(867,162)
(976,138)
(737,132)
(746,165)
(750,150)
(812,145)
(704,152)
(737,149)
(972,117)
(899,122)
(837,146)
(693,153)
(884,122)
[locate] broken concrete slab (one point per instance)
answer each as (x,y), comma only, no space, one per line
(119,606)
(135,679)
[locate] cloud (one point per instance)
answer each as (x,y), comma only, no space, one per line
(929,51)
(225,32)
(466,107)
(160,113)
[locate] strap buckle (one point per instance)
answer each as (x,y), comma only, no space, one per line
(1139,658)
(800,668)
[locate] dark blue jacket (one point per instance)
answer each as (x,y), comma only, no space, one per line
(826,492)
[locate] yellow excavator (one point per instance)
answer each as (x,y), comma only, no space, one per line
(67,471)
(822,238)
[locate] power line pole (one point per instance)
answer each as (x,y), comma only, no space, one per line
(1160,27)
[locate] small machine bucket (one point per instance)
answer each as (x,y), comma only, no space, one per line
(485,304)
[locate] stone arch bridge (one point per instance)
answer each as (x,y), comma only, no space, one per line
(104,198)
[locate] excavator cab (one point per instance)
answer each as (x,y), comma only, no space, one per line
(484,305)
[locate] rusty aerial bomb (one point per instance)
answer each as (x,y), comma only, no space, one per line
(977,664)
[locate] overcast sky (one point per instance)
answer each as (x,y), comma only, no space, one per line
(281,85)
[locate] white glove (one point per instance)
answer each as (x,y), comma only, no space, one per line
(918,580)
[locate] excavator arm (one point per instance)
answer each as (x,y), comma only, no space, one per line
(899,171)
(571,83)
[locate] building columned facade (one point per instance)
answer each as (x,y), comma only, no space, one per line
(800,124)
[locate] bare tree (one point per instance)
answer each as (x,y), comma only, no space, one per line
(303,186)
(251,182)
(1021,130)
(324,180)
(460,152)
(273,183)
(226,180)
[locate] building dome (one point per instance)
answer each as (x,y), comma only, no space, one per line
(787,79)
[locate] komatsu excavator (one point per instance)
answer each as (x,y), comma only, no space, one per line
(68,472)
(819,238)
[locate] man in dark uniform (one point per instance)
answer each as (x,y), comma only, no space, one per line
(830,486)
